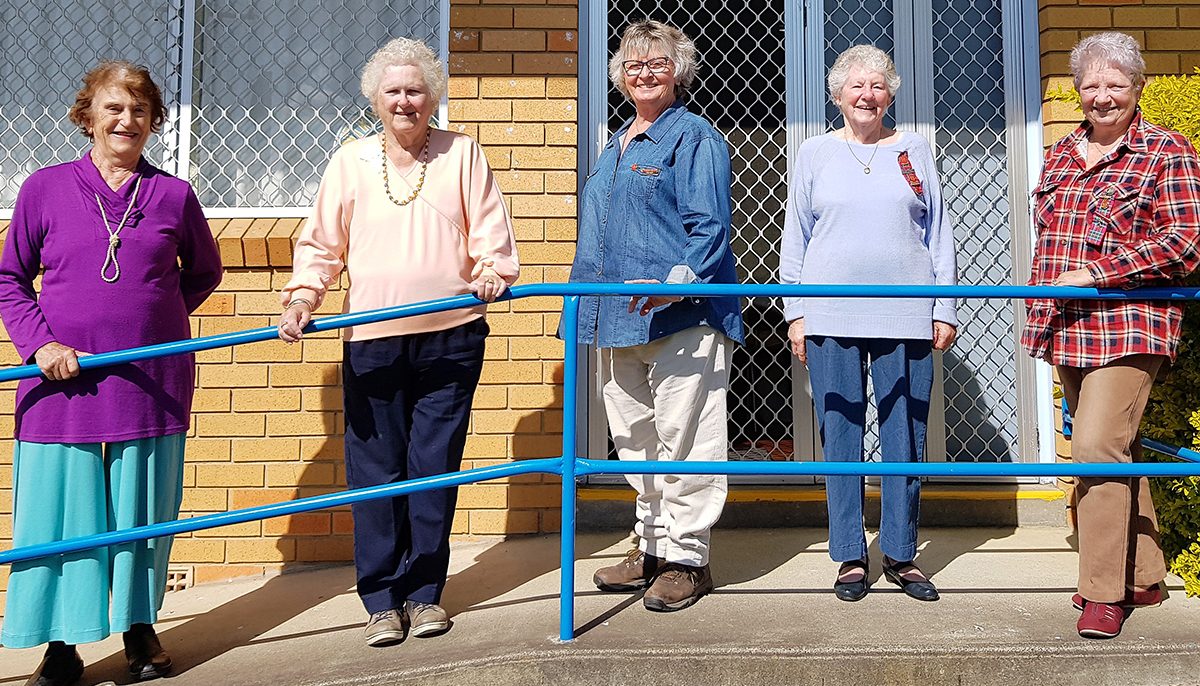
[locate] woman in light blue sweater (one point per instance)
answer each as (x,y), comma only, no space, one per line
(865,206)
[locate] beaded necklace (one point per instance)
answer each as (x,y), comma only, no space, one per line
(420,180)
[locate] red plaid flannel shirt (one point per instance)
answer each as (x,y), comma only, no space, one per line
(1132,220)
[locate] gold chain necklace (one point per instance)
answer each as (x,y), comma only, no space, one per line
(867,166)
(420,180)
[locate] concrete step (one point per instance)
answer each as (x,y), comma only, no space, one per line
(1004,618)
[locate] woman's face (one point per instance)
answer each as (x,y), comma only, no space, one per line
(650,85)
(864,98)
(403,101)
(119,123)
(1108,97)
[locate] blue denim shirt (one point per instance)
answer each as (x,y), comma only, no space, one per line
(659,211)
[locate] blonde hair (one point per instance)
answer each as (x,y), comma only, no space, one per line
(647,36)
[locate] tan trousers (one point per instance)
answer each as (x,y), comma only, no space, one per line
(1118,530)
(665,400)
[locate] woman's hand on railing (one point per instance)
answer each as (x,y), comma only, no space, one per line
(57,361)
(488,286)
(293,320)
(944,335)
(796,337)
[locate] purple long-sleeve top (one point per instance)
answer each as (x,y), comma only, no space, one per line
(169,264)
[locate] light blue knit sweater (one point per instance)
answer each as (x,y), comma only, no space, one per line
(846,227)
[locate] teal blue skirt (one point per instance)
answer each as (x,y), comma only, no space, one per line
(62,491)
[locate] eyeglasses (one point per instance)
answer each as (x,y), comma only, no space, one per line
(658,65)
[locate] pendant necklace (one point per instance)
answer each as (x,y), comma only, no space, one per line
(867,165)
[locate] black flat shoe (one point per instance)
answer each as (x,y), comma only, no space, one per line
(920,590)
(61,666)
(145,655)
(851,591)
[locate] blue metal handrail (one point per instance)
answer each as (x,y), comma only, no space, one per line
(569,468)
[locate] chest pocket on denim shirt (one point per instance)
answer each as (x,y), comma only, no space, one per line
(642,180)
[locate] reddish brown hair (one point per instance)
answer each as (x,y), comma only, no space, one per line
(134,78)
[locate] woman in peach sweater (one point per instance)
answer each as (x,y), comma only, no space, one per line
(411,214)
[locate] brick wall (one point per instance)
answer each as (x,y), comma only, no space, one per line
(268,416)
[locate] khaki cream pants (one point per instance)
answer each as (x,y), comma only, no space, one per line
(1118,530)
(665,400)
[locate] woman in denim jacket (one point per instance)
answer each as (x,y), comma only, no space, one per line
(657,209)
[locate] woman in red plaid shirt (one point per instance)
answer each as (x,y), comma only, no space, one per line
(1117,206)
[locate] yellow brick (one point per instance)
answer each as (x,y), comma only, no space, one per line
(512,372)
(321,374)
(561,134)
(189,476)
(207,450)
(471,130)
(204,500)
(547,253)
(216,304)
(541,206)
(524,496)
(562,87)
(461,524)
(485,446)
(267,351)
(1175,39)
(221,356)
(481,17)
(304,424)
(537,446)
(266,449)
(258,303)
(475,496)
(242,499)
(515,324)
(490,398)
(210,400)
(527,231)
(546,17)
(306,524)
(544,63)
(535,397)
(260,551)
(322,350)
(254,280)
(191,550)
(552,372)
(1083,17)
(560,182)
(312,474)
(561,230)
(496,348)
(232,376)
(212,326)
(266,399)
(536,349)
(561,158)
(505,422)
(545,111)
(552,421)
(229,424)
(1145,17)
(512,87)
(343,522)
(207,574)
(492,522)
(541,303)
(229,475)
(517,181)
(325,549)
(480,110)
(463,86)
(513,41)
(478,63)
(318,449)
(322,399)
(242,530)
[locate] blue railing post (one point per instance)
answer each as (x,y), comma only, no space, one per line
(566,591)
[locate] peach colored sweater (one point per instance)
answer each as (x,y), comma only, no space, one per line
(430,248)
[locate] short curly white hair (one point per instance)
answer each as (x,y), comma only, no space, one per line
(1109,49)
(646,37)
(401,52)
(868,57)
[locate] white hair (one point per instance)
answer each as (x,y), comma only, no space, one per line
(869,58)
(404,52)
(1109,49)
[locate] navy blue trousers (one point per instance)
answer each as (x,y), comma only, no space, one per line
(408,404)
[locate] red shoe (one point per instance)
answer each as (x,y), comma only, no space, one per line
(1101,620)
(1133,599)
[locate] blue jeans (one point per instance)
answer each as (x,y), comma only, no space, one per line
(902,374)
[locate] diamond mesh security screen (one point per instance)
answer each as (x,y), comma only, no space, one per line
(272,85)
(740,88)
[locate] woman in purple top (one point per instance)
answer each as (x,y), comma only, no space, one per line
(125,255)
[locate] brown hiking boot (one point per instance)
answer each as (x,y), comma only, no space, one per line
(677,586)
(630,574)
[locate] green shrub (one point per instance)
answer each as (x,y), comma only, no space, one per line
(1173,415)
